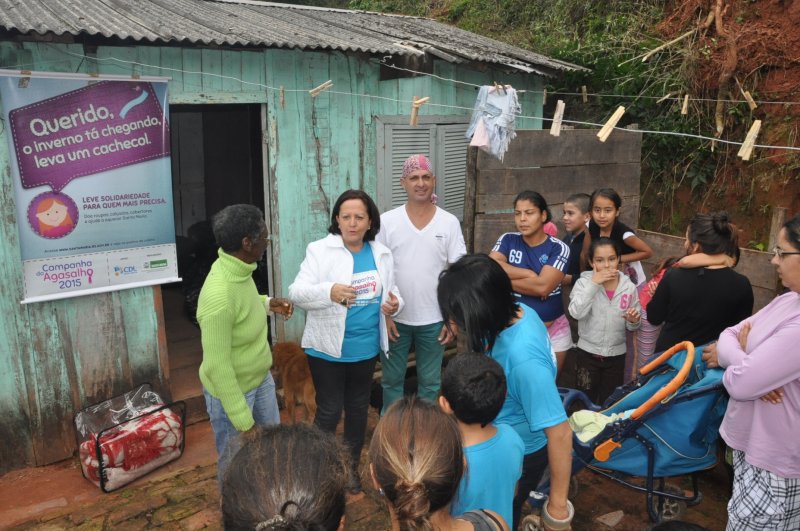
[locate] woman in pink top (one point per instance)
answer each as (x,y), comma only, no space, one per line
(762,422)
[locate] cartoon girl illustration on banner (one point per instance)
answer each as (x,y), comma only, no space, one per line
(52,215)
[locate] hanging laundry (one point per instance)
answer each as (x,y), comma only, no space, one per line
(492,126)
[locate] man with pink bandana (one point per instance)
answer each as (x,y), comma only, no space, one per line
(424,240)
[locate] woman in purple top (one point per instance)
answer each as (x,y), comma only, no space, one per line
(762,422)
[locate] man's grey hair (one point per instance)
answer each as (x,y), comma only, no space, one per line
(234,223)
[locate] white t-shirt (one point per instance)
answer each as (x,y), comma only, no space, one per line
(419,257)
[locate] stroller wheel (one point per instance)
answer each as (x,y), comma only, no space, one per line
(532,522)
(670,509)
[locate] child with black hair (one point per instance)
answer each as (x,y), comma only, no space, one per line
(606,304)
(473,391)
(576,219)
(605,204)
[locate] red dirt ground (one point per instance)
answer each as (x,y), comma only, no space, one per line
(767,63)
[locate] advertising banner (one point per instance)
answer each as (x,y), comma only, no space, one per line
(90,164)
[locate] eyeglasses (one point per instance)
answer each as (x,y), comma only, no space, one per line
(780,253)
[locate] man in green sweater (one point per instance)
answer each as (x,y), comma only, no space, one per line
(238,387)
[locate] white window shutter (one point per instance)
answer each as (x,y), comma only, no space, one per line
(401,141)
(451,167)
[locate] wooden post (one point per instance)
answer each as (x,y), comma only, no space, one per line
(778,219)
(470,197)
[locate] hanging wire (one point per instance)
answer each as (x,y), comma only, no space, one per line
(409,102)
(593,94)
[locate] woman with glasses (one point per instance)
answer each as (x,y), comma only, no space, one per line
(762,422)
(697,303)
(346,285)
(237,384)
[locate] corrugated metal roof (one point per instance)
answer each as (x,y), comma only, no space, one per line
(252,23)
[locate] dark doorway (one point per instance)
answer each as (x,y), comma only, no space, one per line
(217,160)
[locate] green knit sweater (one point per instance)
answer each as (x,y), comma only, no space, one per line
(233,326)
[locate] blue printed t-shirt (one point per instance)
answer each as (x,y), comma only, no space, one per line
(493,468)
(532,401)
(362,325)
(552,252)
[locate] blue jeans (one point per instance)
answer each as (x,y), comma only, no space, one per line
(264,405)
(429,354)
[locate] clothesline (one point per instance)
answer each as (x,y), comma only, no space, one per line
(409,102)
(592,94)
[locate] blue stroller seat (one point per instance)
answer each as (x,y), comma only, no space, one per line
(672,412)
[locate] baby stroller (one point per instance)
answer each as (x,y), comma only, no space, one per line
(666,423)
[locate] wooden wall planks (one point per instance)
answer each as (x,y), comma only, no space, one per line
(752,264)
(556,167)
(57,357)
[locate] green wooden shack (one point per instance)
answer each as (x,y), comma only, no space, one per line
(244,129)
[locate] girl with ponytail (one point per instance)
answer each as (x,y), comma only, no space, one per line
(416,462)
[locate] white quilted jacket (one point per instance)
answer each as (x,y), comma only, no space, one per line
(328,262)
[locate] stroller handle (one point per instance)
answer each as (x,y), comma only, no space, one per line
(603,450)
(674,384)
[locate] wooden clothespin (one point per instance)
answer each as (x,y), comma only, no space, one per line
(544,97)
(605,131)
(666,96)
(747,96)
(24,79)
(685,106)
(750,101)
(584,94)
(95,75)
(282,97)
(555,127)
(500,89)
(325,86)
(415,105)
(749,141)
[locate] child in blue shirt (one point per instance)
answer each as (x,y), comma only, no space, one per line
(473,390)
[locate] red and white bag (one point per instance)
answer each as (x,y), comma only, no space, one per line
(125,437)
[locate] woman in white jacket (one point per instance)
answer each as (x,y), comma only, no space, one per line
(605,303)
(345,283)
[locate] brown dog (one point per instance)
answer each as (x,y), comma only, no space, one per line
(291,364)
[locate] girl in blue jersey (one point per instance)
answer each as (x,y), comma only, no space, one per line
(536,263)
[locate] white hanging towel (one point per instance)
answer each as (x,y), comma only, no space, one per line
(495,113)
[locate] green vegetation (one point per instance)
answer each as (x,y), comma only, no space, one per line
(609,37)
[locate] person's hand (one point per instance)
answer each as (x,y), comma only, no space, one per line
(632,315)
(391,328)
(742,335)
(282,307)
(605,275)
(249,434)
(557,517)
(446,335)
(710,355)
(391,305)
(343,294)
(773,397)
